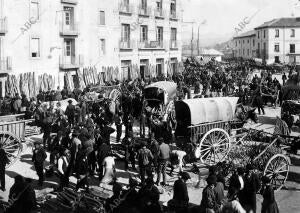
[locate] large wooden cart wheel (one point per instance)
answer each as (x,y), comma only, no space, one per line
(214,147)
(11,145)
(277,169)
(115,95)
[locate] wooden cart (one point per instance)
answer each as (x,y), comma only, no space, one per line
(12,134)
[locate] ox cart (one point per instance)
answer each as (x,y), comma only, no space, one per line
(12,134)
(206,128)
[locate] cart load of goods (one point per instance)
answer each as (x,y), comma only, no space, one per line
(70,201)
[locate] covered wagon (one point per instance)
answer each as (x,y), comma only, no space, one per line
(205,123)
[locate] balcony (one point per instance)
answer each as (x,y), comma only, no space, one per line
(69,1)
(125,9)
(151,45)
(144,11)
(69,29)
(3,25)
(174,45)
(173,15)
(70,62)
(159,13)
(5,65)
(126,44)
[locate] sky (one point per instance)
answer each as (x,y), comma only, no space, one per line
(218,19)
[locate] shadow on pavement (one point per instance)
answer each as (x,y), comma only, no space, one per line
(293,177)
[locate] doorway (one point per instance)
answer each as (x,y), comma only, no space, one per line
(69,51)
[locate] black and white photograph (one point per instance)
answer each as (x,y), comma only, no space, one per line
(149,106)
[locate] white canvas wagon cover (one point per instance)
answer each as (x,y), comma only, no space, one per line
(206,110)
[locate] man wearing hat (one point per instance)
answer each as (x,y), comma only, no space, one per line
(144,158)
(180,199)
(208,202)
(251,187)
(70,112)
(38,158)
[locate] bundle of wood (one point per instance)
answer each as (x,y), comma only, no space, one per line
(46,82)
(101,76)
(11,85)
(80,79)
(90,76)
(69,84)
(28,84)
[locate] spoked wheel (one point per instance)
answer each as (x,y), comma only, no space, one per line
(11,145)
(214,147)
(277,169)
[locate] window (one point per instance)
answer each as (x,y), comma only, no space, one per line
(144,33)
(125,36)
(248,41)
(253,42)
(243,51)
(160,67)
(264,33)
(144,4)
(236,43)
(173,7)
(239,41)
(35,47)
(173,34)
(159,5)
(258,46)
(34,10)
(159,34)
(68,11)
(276,33)
(276,47)
(102,47)
(277,59)
(292,48)
(292,32)
(102,17)
(243,41)
(248,52)
(125,69)
(68,48)
(258,34)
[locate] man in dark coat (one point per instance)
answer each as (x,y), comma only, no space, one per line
(106,132)
(252,186)
(38,158)
(3,161)
(118,122)
(70,112)
(180,199)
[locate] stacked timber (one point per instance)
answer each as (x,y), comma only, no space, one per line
(69,84)
(46,82)
(28,84)
(90,76)
(12,85)
(81,79)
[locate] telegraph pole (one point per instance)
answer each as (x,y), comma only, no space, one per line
(198,47)
(192,40)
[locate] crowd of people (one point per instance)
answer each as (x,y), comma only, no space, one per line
(82,148)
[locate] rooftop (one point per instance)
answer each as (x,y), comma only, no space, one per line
(246,34)
(281,22)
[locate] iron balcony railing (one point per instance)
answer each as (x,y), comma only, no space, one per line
(69,29)
(159,13)
(173,44)
(144,10)
(125,8)
(3,25)
(173,15)
(69,1)
(71,62)
(151,45)
(126,44)
(5,65)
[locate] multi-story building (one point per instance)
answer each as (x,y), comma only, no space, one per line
(244,45)
(279,40)
(61,36)
(276,41)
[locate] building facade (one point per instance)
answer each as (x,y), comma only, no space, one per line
(276,41)
(244,45)
(61,36)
